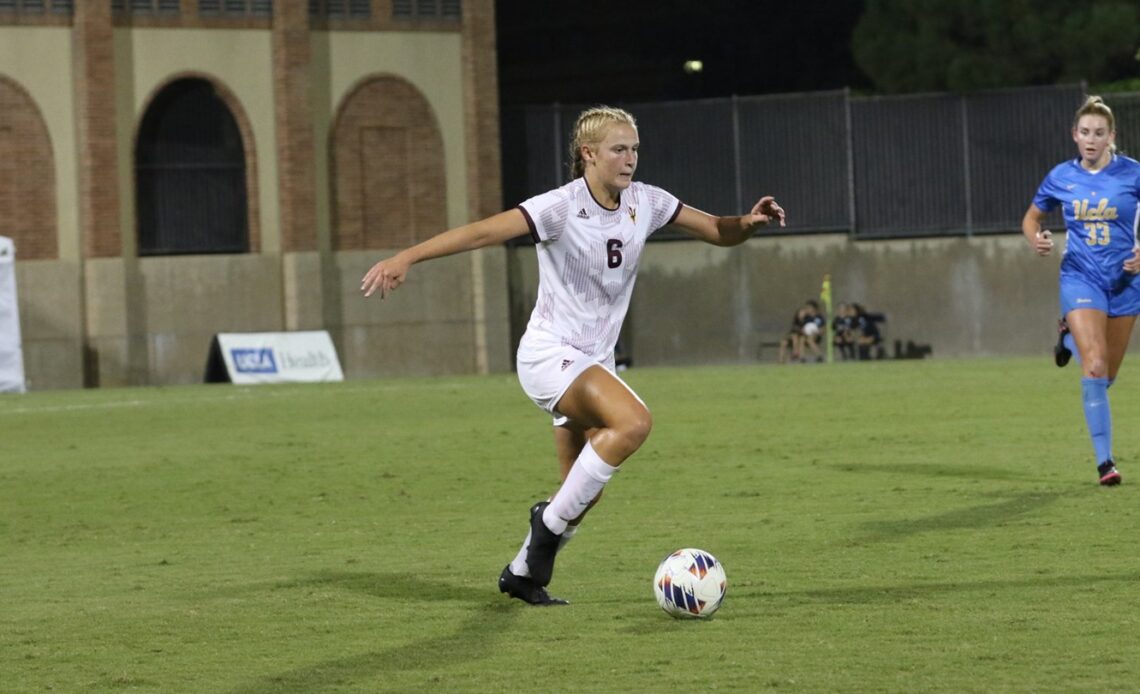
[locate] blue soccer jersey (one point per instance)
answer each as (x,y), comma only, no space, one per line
(1101,217)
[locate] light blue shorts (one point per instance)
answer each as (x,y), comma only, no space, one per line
(1121,300)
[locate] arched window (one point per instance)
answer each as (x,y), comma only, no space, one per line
(190,174)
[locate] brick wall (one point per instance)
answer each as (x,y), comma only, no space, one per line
(27,177)
(388,180)
(94,84)
(481,112)
(295,174)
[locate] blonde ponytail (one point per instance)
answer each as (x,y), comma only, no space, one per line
(590,128)
(1095,106)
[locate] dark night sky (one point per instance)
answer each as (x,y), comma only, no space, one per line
(598,51)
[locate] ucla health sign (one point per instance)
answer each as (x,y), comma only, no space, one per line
(254,361)
(307,356)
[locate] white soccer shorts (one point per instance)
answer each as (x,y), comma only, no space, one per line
(547,372)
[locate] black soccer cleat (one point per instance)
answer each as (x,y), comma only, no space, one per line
(525,589)
(1109,477)
(1061,353)
(543,547)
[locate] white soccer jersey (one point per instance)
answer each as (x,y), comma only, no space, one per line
(587,262)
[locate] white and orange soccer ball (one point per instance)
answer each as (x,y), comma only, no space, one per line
(690,583)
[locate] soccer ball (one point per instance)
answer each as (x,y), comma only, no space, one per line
(690,583)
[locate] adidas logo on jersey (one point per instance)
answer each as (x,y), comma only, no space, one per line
(566,363)
(582,215)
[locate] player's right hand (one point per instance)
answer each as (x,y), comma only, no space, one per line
(1043,242)
(386,275)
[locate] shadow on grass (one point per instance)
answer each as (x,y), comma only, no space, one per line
(400,586)
(474,639)
(969,472)
(868,595)
(982,516)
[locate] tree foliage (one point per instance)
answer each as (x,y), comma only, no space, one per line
(964,45)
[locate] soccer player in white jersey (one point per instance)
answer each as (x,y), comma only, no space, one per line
(1099,287)
(590,234)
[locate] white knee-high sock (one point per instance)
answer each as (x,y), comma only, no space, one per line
(587,477)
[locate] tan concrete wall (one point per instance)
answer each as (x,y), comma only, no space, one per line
(695,303)
(189,299)
(494,288)
(425,328)
(50,322)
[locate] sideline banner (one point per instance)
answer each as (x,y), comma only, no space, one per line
(11,348)
(297,357)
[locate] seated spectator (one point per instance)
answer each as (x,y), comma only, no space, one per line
(791,345)
(803,335)
(868,338)
(813,328)
(843,331)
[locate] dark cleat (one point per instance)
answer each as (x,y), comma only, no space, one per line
(543,547)
(1061,353)
(525,589)
(1109,477)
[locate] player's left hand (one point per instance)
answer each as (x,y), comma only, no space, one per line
(765,211)
(1133,264)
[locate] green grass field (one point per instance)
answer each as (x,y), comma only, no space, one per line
(891,526)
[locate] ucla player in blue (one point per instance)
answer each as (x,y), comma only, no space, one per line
(1099,192)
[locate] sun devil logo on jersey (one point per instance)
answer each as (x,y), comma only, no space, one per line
(632,213)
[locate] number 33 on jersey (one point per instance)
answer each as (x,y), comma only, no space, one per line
(1100,209)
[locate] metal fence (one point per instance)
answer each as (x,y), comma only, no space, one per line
(874,167)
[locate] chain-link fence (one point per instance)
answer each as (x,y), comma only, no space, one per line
(874,167)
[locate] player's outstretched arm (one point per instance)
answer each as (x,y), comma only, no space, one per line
(729,231)
(390,273)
